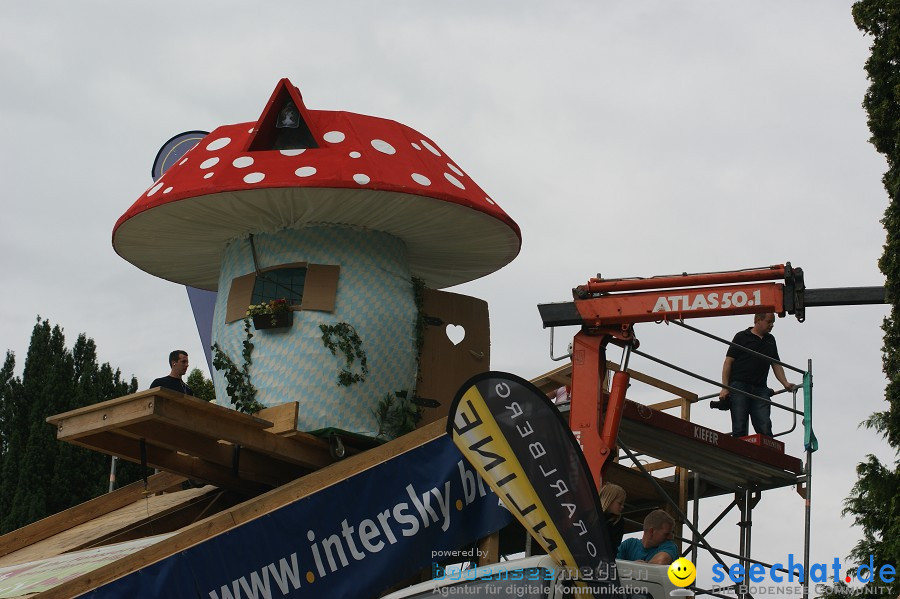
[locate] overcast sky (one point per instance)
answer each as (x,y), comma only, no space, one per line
(625,138)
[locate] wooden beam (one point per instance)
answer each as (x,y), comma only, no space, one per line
(283,416)
(102,419)
(564,373)
(166,459)
(215,411)
(669,404)
(560,380)
(309,439)
(681,480)
(654,466)
(117,524)
(638,488)
(141,406)
(654,382)
(85,512)
(163,519)
(182,414)
(489,550)
(251,465)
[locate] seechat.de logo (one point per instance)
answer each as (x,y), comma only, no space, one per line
(795,571)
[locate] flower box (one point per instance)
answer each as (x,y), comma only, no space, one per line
(273,321)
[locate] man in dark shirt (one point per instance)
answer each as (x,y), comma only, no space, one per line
(178,362)
(746,372)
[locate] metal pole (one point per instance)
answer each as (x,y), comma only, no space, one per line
(808,507)
(715,383)
(748,537)
(694,537)
(806,524)
(736,346)
(557,358)
(626,353)
(112,474)
(745,507)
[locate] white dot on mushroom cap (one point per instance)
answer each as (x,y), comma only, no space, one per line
(361,178)
(167,190)
(154,189)
(208,175)
(305,171)
(455,170)
(383,146)
(218,144)
(334,137)
(254,178)
(182,162)
(209,162)
(242,162)
(430,148)
(355,154)
(454,180)
(293,152)
(416,146)
(489,201)
(421,179)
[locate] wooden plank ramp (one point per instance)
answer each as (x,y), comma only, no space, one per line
(83,513)
(242,513)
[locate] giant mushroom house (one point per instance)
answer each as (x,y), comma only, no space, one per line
(335,216)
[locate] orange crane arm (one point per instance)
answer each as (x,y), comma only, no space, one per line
(607,309)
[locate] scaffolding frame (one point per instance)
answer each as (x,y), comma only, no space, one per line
(746,496)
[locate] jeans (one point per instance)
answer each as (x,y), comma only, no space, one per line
(743,405)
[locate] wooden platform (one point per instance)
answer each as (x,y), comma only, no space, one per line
(718,457)
(201,441)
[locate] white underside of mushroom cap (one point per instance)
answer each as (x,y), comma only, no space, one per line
(183,241)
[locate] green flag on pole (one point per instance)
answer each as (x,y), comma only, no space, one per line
(809,437)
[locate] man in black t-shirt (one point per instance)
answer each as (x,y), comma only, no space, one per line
(746,372)
(178,363)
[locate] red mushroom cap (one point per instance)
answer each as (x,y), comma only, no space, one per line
(366,172)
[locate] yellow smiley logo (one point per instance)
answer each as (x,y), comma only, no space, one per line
(682,572)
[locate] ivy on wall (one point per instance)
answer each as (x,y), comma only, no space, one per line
(344,338)
(239,387)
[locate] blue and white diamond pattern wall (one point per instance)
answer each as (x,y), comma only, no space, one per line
(374,295)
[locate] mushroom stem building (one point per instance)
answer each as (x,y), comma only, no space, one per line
(337,213)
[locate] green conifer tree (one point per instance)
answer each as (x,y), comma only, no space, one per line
(202,387)
(47,375)
(79,473)
(12,442)
(874,502)
(40,475)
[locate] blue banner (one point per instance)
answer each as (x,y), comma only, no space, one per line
(352,539)
(203,305)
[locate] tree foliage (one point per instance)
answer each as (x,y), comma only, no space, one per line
(874,501)
(39,475)
(202,387)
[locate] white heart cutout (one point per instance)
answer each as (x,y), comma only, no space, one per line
(455,333)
